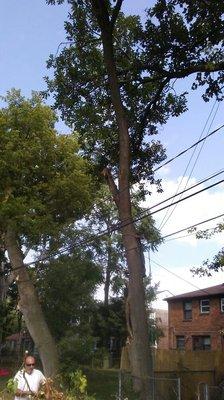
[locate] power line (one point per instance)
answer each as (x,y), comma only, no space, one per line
(169,213)
(177,156)
(193,226)
(115,228)
(188,234)
(188,148)
(179,201)
(185,190)
(179,277)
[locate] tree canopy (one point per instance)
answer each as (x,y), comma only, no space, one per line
(44,182)
(66,287)
(178,39)
(45,187)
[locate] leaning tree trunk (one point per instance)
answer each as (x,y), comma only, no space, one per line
(30,307)
(140,354)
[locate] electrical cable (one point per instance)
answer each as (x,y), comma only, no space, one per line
(189,234)
(179,201)
(169,213)
(193,226)
(184,191)
(114,228)
(180,277)
(175,157)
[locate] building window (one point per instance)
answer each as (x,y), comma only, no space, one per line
(222,304)
(180,342)
(201,343)
(205,306)
(187,310)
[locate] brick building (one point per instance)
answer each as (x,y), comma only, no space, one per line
(196,320)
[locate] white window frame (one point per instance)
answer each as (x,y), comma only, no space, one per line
(222,304)
(205,308)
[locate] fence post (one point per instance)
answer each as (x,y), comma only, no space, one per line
(119,385)
(178,389)
(206,392)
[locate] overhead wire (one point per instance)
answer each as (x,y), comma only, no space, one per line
(183,191)
(188,148)
(118,226)
(187,235)
(169,213)
(179,277)
(193,226)
(176,156)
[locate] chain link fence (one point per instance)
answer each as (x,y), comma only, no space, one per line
(208,392)
(160,388)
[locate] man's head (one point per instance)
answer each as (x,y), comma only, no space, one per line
(29,364)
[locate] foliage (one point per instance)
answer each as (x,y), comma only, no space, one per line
(66,287)
(8,318)
(209,267)
(76,388)
(75,350)
(108,249)
(114,82)
(44,182)
(217,264)
(11,385)
(177,40)
(109,322)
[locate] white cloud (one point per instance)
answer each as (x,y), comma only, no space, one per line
(180,280)
(188,212)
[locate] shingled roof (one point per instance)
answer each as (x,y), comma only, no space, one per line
(207,292)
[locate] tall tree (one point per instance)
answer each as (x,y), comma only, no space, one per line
(44,186)
(66,286)
(115,83)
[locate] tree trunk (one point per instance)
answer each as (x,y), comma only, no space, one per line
(140,355)
(30,307)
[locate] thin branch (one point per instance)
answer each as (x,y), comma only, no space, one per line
(149,109)
(204,67)
(115,14)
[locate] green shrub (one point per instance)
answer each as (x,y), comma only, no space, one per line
(75,351)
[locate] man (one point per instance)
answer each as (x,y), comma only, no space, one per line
(29,380)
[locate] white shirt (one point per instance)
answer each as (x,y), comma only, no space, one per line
(35,379)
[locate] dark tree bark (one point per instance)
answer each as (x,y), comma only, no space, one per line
(30,307)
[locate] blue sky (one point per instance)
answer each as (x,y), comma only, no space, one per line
(30,31)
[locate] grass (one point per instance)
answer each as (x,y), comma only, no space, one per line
(103,384)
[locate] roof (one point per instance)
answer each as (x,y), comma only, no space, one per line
(207,292)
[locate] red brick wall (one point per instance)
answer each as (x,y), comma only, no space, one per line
(201,324)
